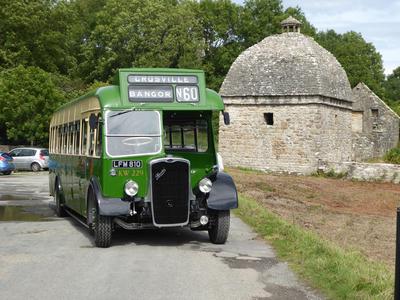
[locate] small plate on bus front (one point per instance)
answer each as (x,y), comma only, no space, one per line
(135,164)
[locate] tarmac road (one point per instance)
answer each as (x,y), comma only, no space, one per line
(44,257)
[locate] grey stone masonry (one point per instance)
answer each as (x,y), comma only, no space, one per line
(301,136)
(366,171)
(378,128)
(286,64)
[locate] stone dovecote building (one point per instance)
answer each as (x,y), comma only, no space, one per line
(292,109)
(290,104)
(375,125)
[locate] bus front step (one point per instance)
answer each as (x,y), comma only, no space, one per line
(132,226)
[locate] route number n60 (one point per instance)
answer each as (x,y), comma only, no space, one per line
(187,93)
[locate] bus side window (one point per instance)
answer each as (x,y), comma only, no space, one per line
(65,139)
(51,139)
(84,136)
(71,133)
(77,136)
(99,136)
(58,147)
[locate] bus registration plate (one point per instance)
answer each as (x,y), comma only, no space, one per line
(134,164)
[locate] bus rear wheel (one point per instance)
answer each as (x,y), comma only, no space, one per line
(219,230)
(60,211)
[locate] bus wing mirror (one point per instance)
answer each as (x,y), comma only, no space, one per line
(227,118)
(93,121)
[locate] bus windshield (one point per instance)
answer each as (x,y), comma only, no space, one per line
(130,133)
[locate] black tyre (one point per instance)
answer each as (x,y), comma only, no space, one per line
(60,211)
(7,173)
(102,226)
(219,230)
(35,167)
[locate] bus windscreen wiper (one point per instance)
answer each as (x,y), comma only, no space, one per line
(122,112)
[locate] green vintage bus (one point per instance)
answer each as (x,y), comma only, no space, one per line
(141,154)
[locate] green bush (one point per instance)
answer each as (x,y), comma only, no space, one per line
(392,156)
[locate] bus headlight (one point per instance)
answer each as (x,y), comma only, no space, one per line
(131,188)
(205,185)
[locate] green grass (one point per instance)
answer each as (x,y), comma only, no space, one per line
(392,156)
(338,273)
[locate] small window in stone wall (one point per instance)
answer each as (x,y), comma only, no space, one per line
(269,118)
(375,118)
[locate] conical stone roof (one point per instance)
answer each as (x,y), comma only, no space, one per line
(286,64)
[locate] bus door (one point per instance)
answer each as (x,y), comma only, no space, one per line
(92,158)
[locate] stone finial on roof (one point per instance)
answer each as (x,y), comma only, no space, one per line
(290,24)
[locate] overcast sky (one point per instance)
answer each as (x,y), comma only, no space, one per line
(377,20)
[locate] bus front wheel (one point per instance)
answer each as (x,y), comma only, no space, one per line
(219,229)
(102,226)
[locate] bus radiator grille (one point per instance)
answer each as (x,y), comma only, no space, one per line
(170,192)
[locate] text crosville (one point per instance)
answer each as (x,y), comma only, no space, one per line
(161,79)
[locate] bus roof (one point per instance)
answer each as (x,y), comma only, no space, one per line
(156,89)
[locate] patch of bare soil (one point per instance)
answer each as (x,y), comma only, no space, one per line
(353,215)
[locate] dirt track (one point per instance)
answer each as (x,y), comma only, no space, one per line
(357,215)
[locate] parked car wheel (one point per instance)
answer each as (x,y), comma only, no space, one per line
(7,173)
(219,230)
(35,167)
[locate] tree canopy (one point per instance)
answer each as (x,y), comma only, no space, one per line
(54,50)
(359,58)
(28,97)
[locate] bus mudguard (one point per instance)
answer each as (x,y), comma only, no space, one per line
(223,195)
(109,206)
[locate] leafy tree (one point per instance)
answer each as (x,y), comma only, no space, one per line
(260,18)
(220,22)
(142,34)
(28,97)
(35,33)
(360,59)
(392,86)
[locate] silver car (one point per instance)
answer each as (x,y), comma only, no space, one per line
(34,159)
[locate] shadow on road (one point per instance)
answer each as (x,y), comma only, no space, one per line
(153,237)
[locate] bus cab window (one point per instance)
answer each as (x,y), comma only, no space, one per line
(186,135)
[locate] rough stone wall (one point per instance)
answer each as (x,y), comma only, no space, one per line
(302,135)
(334,138)
(380,124)
(366,171)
